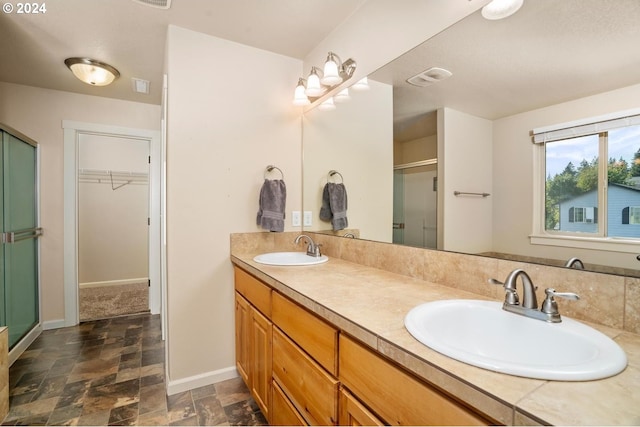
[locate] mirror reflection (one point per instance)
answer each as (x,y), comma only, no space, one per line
(403,149)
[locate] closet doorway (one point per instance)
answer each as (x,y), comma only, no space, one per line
(113,218)
(74,132)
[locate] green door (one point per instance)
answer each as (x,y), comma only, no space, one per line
(18,218)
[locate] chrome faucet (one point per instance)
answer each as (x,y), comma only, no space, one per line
(313,249)
(575,263)
(529,307)
(349,235)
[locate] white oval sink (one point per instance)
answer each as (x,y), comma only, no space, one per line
(289,258)
(482,334)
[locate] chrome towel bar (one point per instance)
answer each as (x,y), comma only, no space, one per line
(460,193)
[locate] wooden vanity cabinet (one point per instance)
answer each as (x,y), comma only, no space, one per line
(302,370)
(305,364)
(395,395)
(354,413)
(253,333)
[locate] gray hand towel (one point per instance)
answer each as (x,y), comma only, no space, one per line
(325,210)
(338,203)
(273,199)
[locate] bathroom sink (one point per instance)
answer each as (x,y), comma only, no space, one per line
(289,258)
(482,334)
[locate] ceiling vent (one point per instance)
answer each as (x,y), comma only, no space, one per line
(140,85)
(160,4)
(429,77)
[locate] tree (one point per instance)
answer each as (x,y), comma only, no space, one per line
(618,172)
(588,175)
(635,167)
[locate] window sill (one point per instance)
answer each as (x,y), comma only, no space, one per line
(583,242)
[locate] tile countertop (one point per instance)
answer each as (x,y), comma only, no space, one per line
(370,304)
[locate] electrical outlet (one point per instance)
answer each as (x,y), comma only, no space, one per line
(307,218)
(296,219)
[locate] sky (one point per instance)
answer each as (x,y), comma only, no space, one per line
(623,142)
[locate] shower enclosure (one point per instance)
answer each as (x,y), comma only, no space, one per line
(415,205)
(19,306)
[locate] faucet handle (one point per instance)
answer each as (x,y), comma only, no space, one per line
(511,297)
(550,306)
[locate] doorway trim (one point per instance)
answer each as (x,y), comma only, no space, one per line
(72,131)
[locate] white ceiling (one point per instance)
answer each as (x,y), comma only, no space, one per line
(132,36)
(550,51)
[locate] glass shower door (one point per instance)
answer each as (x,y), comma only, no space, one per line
(18,215)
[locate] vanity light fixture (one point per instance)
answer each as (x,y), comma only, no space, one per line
(342,96)
(299,97)
(331,75)
(362,84)
(318,82)
(313,84)
(327,105)
(92,72)
(500,9)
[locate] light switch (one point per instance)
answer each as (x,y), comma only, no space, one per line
(307,218)
(295,218)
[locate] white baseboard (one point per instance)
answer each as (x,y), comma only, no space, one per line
(53,324)
(201,380)
(113,282)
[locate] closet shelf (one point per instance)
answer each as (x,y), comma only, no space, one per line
(117,179)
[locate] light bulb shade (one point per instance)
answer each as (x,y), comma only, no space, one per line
(313,84)
(299,97)
(327,105)
(92,72)
(362,84)
(499,9)
(342,96)
(331,73)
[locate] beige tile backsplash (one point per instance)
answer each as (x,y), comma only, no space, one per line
(605,299)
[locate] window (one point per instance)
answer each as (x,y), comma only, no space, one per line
(591,178)
(631,215)
(581,214)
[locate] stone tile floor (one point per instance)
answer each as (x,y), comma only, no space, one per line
(111,372)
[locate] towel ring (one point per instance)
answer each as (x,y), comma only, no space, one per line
(270,168)
(334,172)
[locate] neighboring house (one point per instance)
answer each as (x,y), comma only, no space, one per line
(580,213)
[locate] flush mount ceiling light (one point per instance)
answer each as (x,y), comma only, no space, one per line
(499,9)
(318,82)
(92,72)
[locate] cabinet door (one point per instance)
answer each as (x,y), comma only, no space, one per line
(243,321)
(283,413)
(260,350)
(354,413)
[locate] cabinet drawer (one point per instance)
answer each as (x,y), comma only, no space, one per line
(256,292)
(311,390)
(283,413)
(314,335)
(398,397)
(354,413)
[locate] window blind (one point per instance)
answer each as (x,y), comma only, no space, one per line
(584,127)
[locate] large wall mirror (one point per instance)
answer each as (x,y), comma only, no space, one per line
(407,154)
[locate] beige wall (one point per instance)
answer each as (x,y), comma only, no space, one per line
(112,223)
(228,118)
(513,175)
(464,164)
(38,113)
(356,139)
